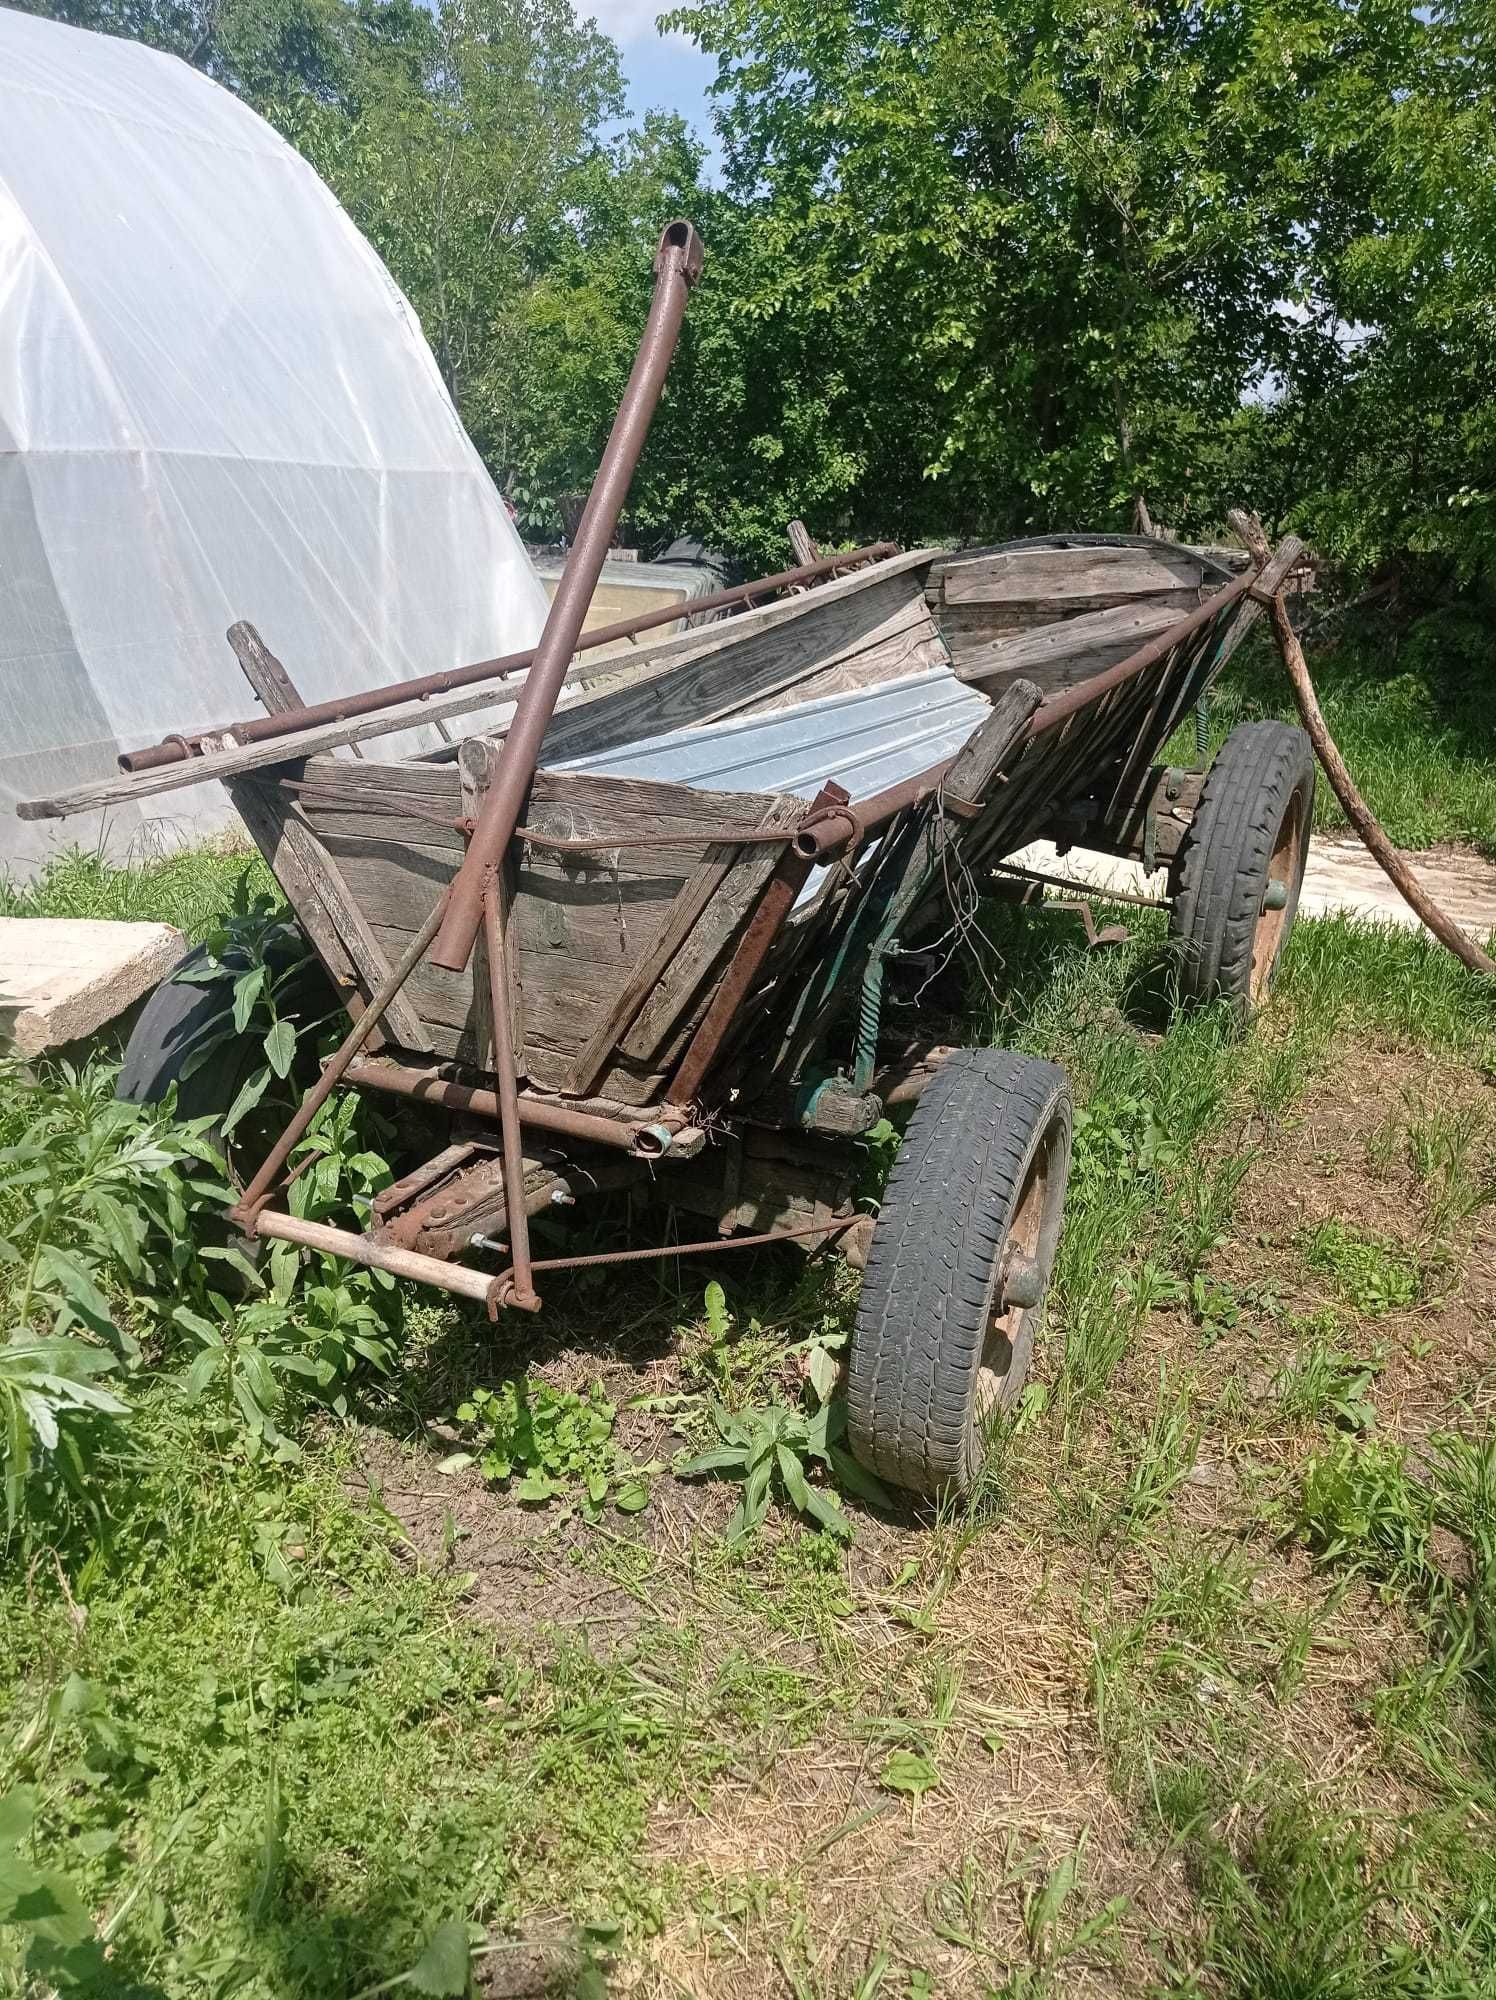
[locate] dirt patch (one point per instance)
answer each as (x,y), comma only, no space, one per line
(1344,1161)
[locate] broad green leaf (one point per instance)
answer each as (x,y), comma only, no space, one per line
(824,1510)
(442,1969)
(907,1771)
(17,1811)
(280,1047)
(857,1479)
(823,1371)
(63,1269)
(249,1096)
(247,989)
(792,1474)
(721,1458)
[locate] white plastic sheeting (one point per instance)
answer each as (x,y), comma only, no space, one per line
(214,404)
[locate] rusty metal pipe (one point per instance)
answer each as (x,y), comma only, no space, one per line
(508,1094)
(290,721)
(540,1112)
(678,264)
(244,1210)
(707,1247)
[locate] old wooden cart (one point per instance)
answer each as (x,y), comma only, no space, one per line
(644,938)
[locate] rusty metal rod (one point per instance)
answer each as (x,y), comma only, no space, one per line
(1091,890)
(289,721)
(640,1138)
(678,264)
(254,1196)
(836,1227)
(389,1257)
(508,1095)
(774,906)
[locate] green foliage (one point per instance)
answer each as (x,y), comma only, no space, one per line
(554,1443)
(1120,1139)
(44,1905)
(190,889)
(1359,1504)
(114,1264)
(1372,1274)
(772,1451)
(95,1195)
(1323,1384)
(257,957)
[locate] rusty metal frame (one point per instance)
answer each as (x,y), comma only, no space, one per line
(648,1136)
(182,747)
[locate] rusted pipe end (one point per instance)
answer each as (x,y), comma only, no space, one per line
(505,1292)
(652,1142)
(679,238)
(832,823)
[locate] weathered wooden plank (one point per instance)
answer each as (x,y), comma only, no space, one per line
(562,903)
(687,907)
(434,788)
(1068,576)
(326,907)
(599,804)
(264,672)
(907,644)
(729,681)
(707,938)
(965,625)
(587,928)
(1064,654)
(802,547)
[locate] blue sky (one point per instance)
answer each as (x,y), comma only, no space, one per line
(664,72)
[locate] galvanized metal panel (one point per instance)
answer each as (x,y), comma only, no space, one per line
(866,740)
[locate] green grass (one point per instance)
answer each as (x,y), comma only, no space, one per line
(1086,1733)
(1415,721)
(189,889)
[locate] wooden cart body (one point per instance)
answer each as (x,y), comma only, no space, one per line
(694,963)
(615,953)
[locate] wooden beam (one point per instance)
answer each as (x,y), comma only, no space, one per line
(1062,653)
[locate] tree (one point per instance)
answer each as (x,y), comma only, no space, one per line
(1051,244)
(1383,442)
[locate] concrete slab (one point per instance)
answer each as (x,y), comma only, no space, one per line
(1341,879)
(65,977)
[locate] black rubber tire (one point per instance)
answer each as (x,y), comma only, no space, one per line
(165,1033)
(919,1400)
(1258,793)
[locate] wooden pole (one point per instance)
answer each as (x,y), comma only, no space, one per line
(1356,810)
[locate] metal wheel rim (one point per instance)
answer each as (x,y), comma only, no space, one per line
(1285,868)
(1025,1239)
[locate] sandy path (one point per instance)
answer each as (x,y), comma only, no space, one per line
(1341,877)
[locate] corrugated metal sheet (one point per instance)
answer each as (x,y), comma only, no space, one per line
(866,740)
